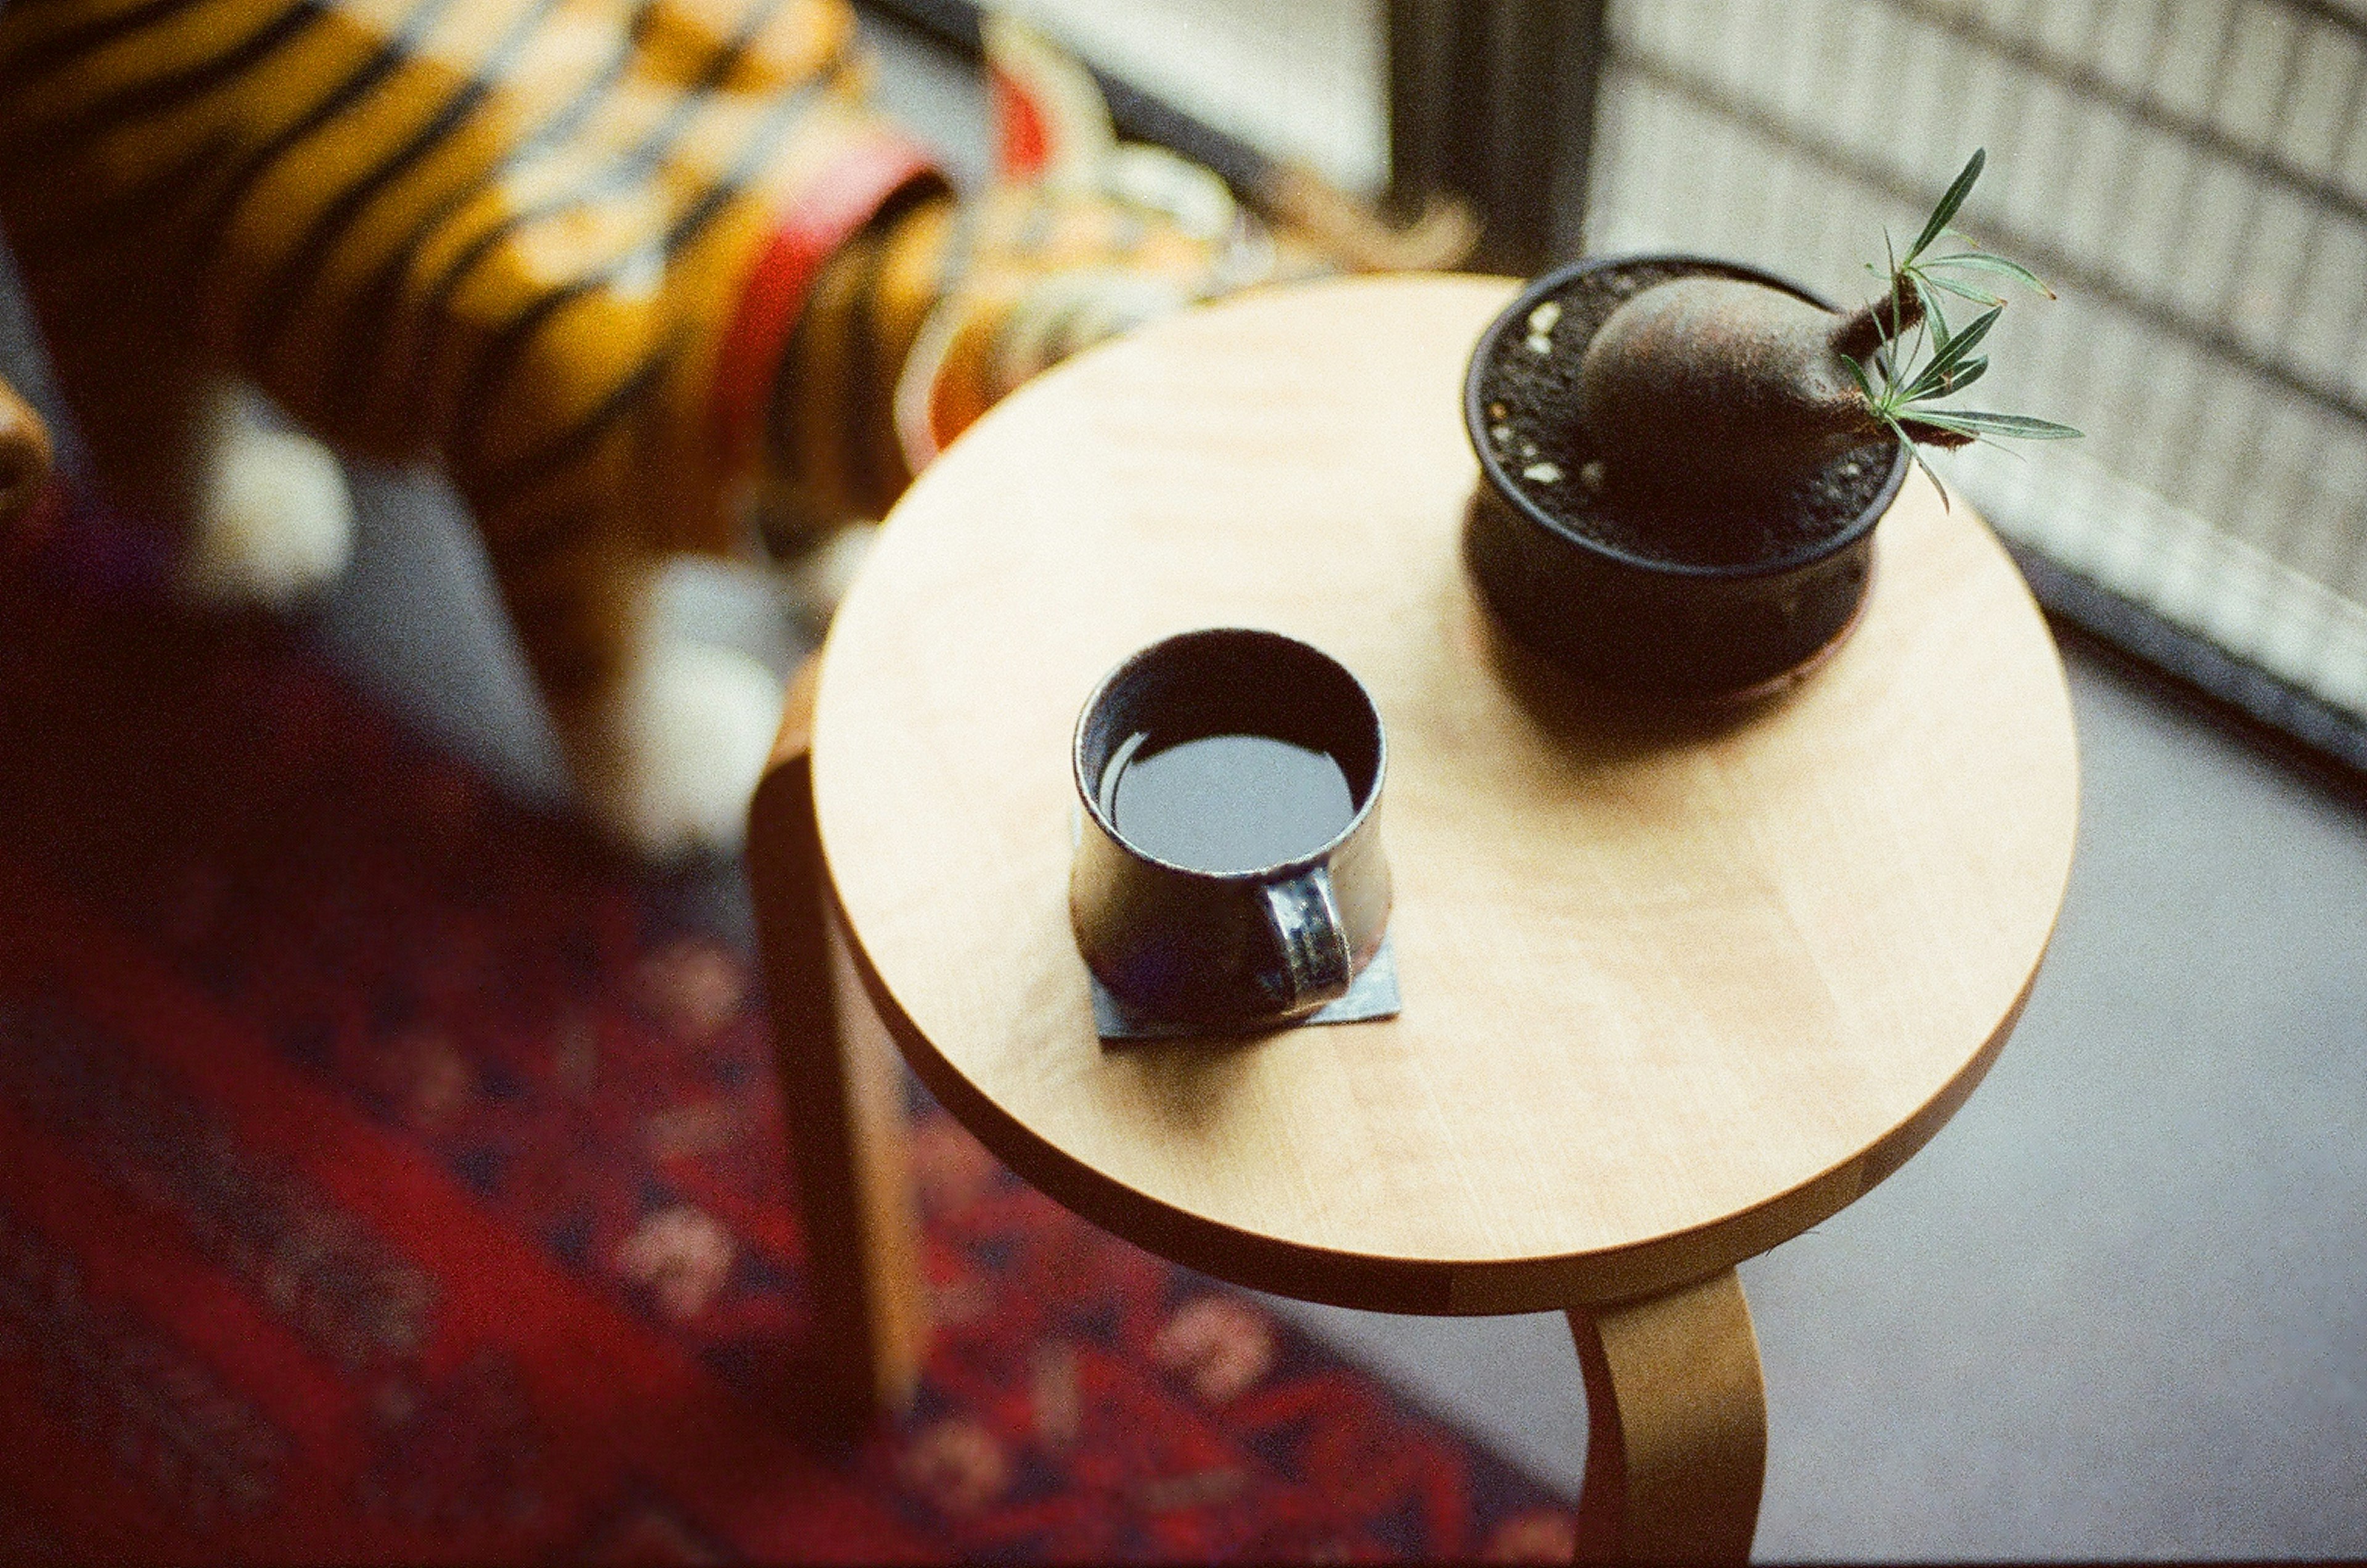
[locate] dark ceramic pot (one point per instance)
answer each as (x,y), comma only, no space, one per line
(1631,623)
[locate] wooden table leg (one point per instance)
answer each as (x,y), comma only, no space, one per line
(24,455)
(842,1098)
(1676,1427)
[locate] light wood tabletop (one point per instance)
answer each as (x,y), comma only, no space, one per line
(1676,984)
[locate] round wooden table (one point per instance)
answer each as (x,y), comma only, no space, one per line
(1676,984)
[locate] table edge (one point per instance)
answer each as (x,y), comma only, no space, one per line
(1423,1286)
(1437,1285)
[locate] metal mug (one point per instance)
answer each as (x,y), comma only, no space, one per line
(1230,947)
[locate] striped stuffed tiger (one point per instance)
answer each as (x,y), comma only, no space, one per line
(643,277)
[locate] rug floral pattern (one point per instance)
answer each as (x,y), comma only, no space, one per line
(391,1174)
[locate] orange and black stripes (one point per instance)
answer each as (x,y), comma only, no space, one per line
(498,359)
(358,344)
(294,273)
(510,233)
(148,97)
(400,347)
(615,175)
(618,263)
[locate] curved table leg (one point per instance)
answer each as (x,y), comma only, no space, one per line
(1676,1427)
(24,455)
(842,1098)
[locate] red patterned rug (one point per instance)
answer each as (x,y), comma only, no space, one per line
(386,1173)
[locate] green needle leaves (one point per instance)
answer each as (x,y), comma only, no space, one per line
(1945,212)
(1896,391)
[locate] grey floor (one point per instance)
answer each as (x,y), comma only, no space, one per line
(2118,1308)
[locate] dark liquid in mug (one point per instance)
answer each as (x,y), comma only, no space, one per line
(1224,803)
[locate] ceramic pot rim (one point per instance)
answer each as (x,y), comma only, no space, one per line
(1089,793)
(1491,469)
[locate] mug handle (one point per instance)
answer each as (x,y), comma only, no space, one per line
(1305,922)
